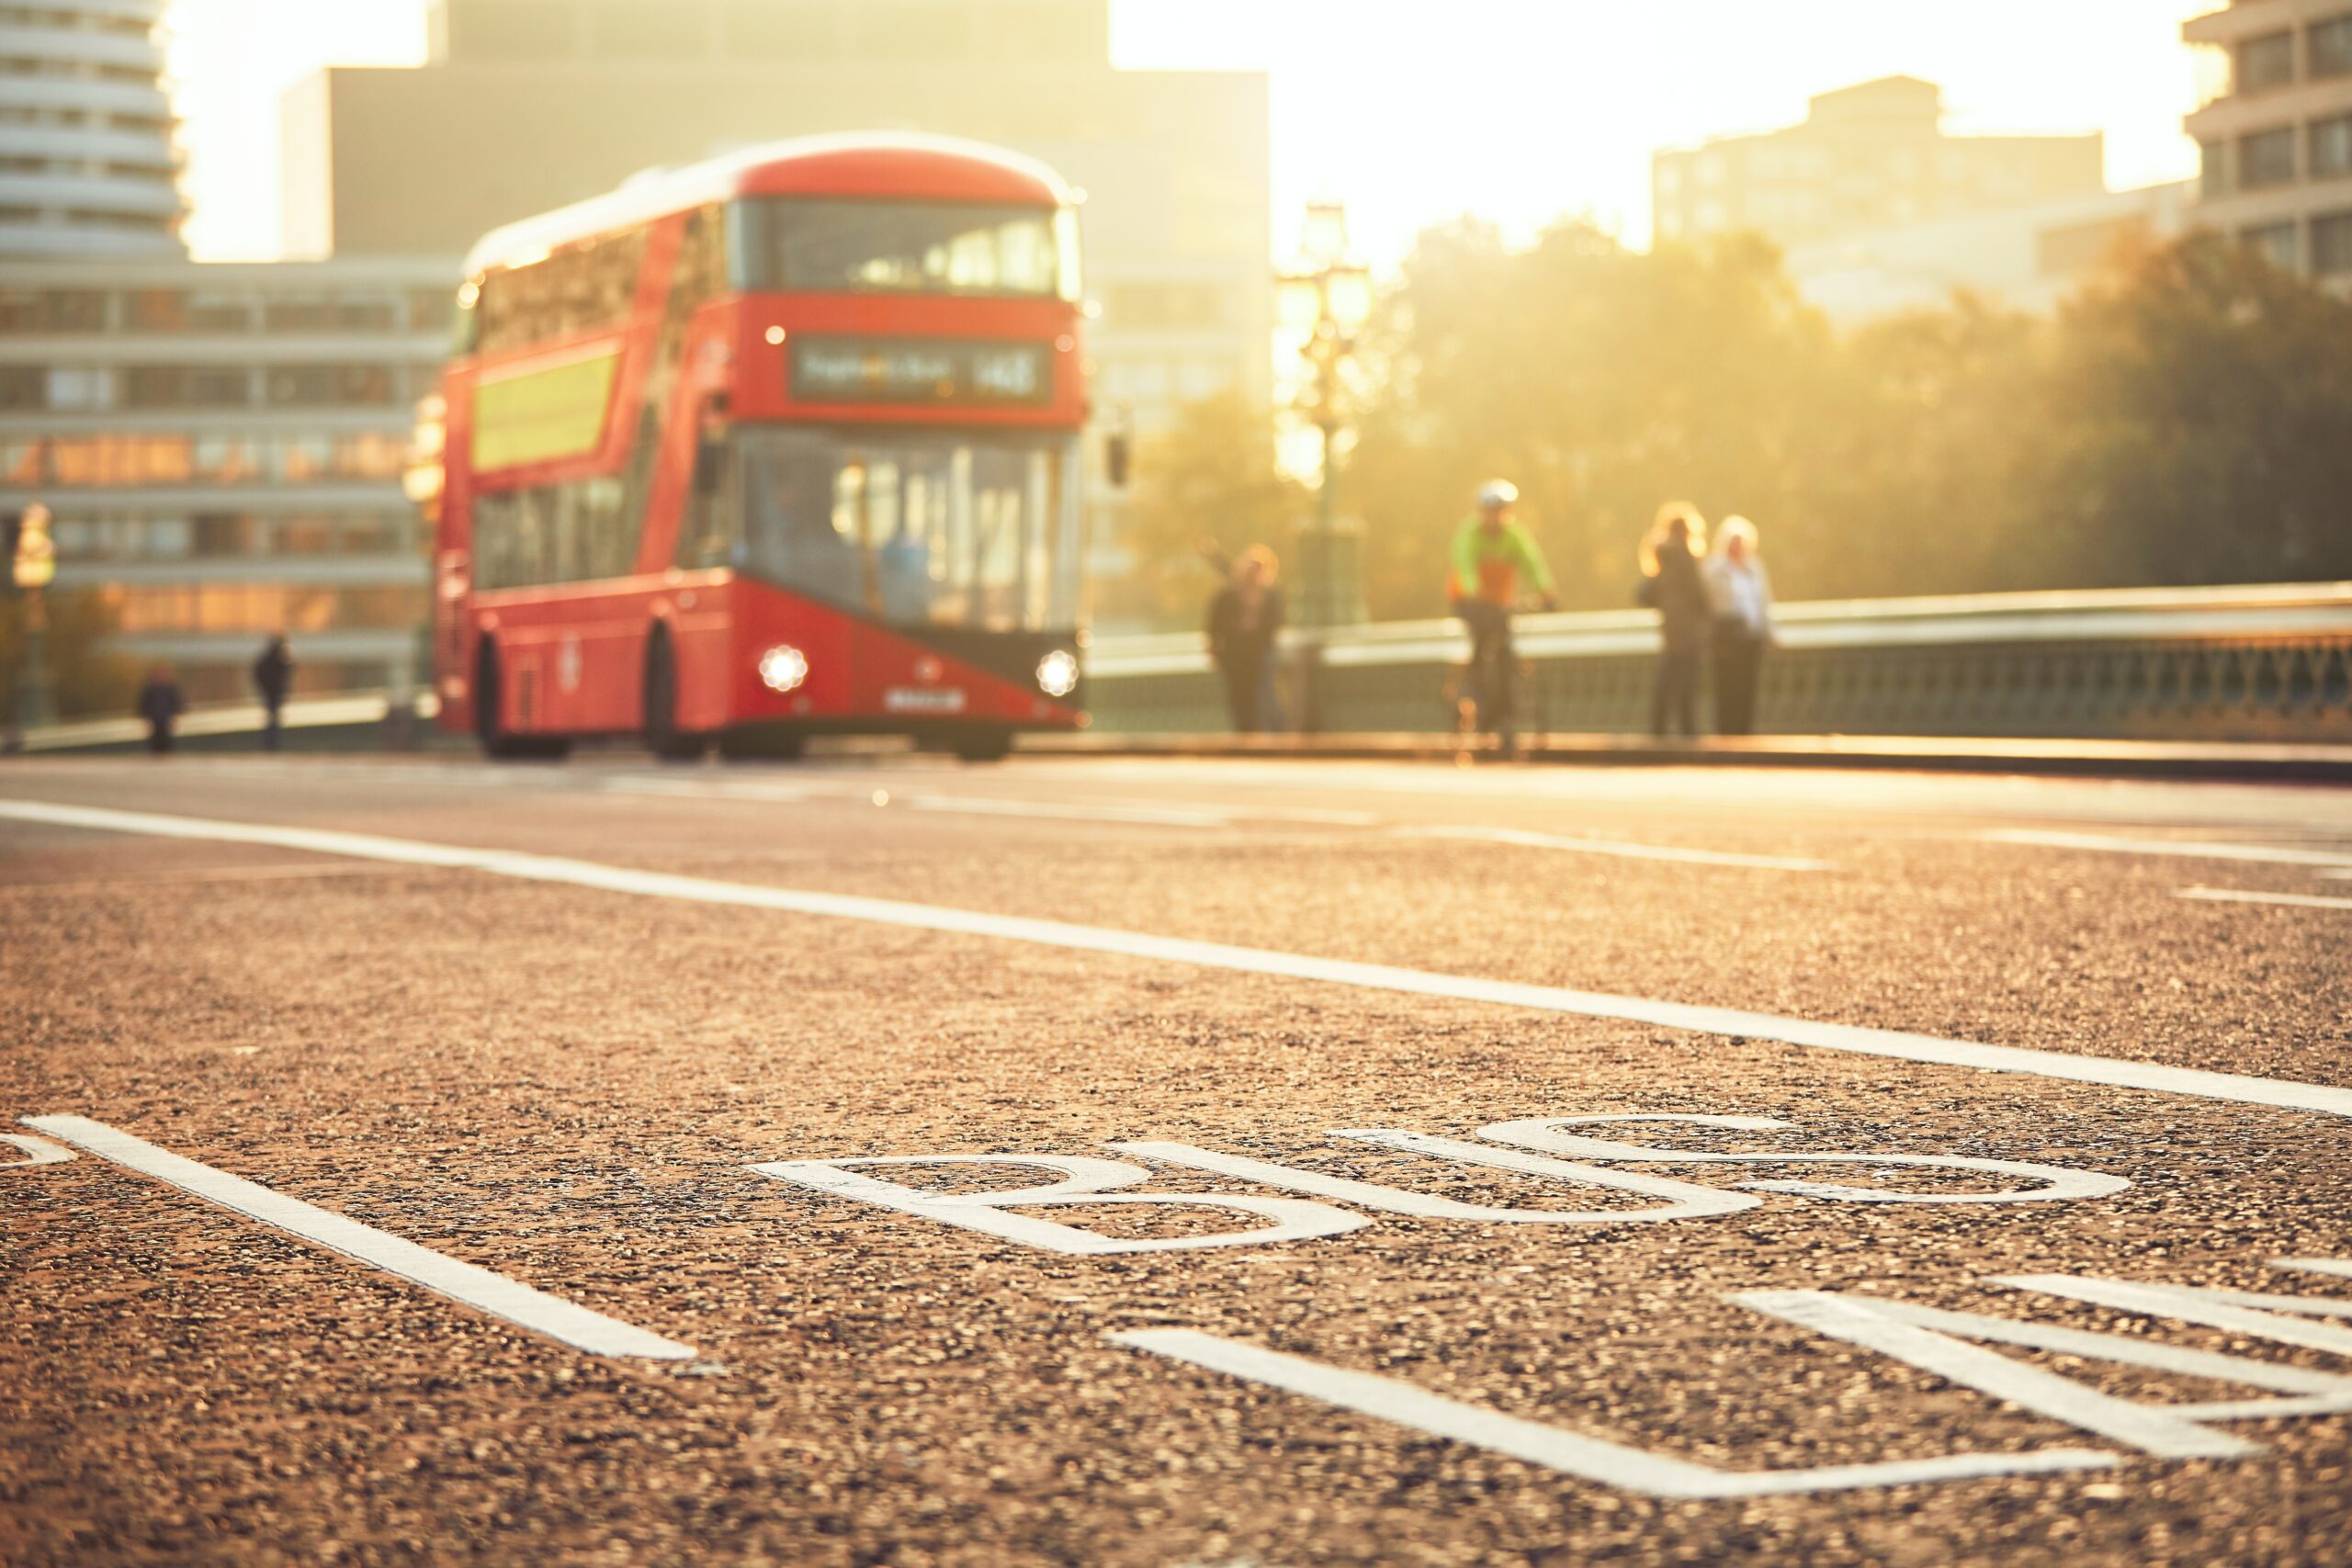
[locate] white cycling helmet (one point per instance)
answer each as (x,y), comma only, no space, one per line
(1497,493)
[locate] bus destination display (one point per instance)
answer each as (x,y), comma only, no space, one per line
(938,372)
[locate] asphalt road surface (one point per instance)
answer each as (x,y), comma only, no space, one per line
(424,1160)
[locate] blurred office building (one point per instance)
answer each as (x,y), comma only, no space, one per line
(220,445)
(2023,258)
(222,448)
(2275,130)
(87,165)
(1869,157)
(526,105)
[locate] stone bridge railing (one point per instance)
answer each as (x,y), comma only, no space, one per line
(2268,662)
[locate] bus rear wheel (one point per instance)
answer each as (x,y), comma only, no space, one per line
(498,743)
(662,737)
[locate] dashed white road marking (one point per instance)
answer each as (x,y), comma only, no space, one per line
(2240,895)
(1592,1459)
(1884,1043)
(1522,838)
(479,1288)
(1058,811)
(2182,849)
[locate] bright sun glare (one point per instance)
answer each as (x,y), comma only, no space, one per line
(1412,110)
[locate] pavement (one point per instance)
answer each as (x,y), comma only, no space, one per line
(423,1160)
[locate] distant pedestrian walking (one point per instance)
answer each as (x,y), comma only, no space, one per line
(272,678)
(1739,596)
(1672,586)
(161,705)
(1245,619)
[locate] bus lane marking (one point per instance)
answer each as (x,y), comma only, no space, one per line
(2181,849)
(37,1151)
(1521,837)
(2290,900)
(463,1282)
(1552,1448)
(1949,1344)
(2113,1072)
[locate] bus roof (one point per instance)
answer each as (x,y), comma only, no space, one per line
(878,163)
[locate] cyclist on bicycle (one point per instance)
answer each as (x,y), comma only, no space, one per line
(1490,551)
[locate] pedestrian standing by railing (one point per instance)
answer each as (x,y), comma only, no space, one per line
(1739,594)
(161,705)
(1672,586)
(1245,619)
(274,678)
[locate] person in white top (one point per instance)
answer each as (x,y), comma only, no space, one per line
(1739,595)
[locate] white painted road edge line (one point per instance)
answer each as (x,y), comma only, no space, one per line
(1521,837)
(2183,849)
(479,1288)
(2237,895)
(1593,1459)
(1886,1042)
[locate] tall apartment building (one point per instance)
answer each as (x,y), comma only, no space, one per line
(1867,157)
(86,162)
(2276,130)
(222,448)
(526,104)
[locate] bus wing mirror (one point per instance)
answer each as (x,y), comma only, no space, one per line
(1118,458)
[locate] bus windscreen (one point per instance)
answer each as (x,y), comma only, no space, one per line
(913,530)
(820,245)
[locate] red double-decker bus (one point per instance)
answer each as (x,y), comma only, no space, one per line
(780,445)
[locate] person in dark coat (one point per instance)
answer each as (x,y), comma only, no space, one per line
(1245,618)
(1673,585)
(272,678)
(161,705)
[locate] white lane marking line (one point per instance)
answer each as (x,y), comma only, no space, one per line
(982,806)
(1623,850)
(2183,849)
(2237,896)
(1592,1459)
(2111,1071)
(479,1288)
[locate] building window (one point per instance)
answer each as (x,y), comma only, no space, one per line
(332,386)
(2213,168)
(2332,148)
(186,386)
(52,310)
(2274,241)
(2267,61)
(328,313)
(2331,44)
(2332,244)
(2267,158)
(23,387)
(186,310)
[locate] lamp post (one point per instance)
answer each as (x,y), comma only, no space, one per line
(35,567)
(1327,295)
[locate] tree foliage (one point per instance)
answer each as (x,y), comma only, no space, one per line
(87,682)
(2186,419)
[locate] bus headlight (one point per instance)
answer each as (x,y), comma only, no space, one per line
(783,668)
(1058,673)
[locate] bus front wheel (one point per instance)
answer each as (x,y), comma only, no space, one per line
(983,746)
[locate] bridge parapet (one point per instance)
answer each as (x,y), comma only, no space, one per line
(2259,663)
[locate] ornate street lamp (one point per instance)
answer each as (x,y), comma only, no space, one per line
(1326,295)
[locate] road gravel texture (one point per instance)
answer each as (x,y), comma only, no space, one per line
(567,1086)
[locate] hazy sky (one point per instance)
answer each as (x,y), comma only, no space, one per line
(1410,110)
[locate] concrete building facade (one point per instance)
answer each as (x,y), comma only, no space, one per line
(2026,258)
(526,105)
(222,448)
(2274,130)
(1867,157)
(87,164)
